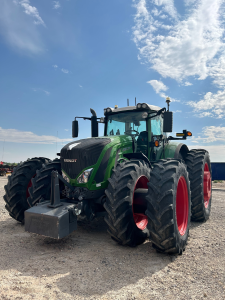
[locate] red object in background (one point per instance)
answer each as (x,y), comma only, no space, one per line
(1,162)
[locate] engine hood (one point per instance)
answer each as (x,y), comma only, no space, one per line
(81,154)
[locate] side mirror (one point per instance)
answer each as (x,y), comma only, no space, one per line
(75,129)
(168,121)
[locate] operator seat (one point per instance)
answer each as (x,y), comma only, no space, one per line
(142,142)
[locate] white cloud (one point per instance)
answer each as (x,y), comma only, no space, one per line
(17,136)
(211,134)
(163,16)
(155,12)
(204,114)
(167,27)
(167,6)
(41,90)
(80,86)
(66,129)
(193,46)
(188,48)
(65,71)
(214,135)
(47,93)
(177,111)
(56,5)
(158,85)
(189,2)
(31,11)
(160,88)
(214,103)
(187,83)
(18,30)
(217,67)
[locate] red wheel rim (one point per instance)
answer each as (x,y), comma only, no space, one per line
(28,186)
(207,185)
(140,219)
(182,206)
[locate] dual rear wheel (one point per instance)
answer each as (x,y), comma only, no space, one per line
(158,203)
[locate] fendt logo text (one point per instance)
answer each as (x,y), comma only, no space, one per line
(70,160)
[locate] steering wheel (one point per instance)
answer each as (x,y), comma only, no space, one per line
(128,132)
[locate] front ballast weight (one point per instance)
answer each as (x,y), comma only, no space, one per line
(55,218)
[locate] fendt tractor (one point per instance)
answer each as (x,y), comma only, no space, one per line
(144,184)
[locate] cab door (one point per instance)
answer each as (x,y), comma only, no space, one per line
(155,132)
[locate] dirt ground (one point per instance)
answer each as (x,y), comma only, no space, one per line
(89,265)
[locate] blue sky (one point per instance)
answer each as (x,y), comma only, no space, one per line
(59,58)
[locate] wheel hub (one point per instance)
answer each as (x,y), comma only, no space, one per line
(182,206)
(207,185)
(140,219)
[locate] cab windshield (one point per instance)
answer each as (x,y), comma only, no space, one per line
(126,123)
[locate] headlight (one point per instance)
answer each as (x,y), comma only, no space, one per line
(144,105)
(105,110)
(65,177)
(139,105)
(85,176)
(109,110)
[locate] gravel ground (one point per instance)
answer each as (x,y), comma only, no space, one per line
(89,265)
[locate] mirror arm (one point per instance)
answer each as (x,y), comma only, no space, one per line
(160,111)
(173,138)
(182,138)
(85,118)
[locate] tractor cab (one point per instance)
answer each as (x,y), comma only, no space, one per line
(143,122)
(147,126)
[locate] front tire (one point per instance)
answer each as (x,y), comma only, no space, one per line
(17,188)
(169,206)
(125,203)
(200,174)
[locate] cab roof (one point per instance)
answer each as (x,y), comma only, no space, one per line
(127,108)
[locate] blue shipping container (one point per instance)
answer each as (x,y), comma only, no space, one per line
(218,171)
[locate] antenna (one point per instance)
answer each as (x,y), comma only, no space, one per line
(127,102)
(135,101)
(168,102)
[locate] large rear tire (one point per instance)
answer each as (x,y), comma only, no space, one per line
(125,204)
(169,206)
(200,174)
(17,188)
(41,183)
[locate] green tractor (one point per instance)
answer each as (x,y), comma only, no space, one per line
(144,184)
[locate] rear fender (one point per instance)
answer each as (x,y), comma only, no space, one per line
(174,150)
